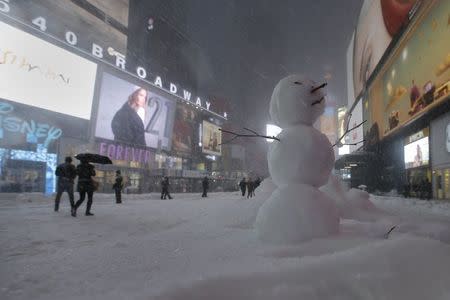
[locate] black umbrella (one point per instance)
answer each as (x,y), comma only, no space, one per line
(94,158)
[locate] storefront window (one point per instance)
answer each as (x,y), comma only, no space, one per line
(446,184)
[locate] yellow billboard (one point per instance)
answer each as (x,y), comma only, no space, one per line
(417,77)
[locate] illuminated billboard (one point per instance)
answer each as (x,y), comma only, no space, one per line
(133,115)
(378,23)
(349,68)
(211,139)
(416,154)
(27,127)
(37,73)
(418,77)
(185,136)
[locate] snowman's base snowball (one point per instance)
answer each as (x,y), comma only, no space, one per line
(296,213)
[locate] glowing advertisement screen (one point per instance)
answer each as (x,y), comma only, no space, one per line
(133,115)
(417,153)
(378,23)
(419,75)
(185,135)
(211,139)
(25,127)
(37,73)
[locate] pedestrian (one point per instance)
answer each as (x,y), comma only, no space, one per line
(243,186)
(250,188)
(66,173)
(406,189)
(205,185)
(165,188)
(86,185)
(256,184)
(118,186)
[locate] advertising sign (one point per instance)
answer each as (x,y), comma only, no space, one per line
(71,23)
(37,73)
(349,68)
(417,153)
(211,139)
(419,76)
(133,115)
(26,127)
(378,22)
(185,136)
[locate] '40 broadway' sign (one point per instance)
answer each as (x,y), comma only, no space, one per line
(97,51)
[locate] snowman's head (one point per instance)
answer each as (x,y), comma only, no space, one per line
(296,100)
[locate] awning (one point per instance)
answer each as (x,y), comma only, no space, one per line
(355,158)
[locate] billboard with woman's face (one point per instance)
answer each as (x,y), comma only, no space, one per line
(133,115)
(378,23)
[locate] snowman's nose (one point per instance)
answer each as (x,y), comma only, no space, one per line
(318,87)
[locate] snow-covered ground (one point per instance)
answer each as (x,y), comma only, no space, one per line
(206,248)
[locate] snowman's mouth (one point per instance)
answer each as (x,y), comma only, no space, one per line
(318,101)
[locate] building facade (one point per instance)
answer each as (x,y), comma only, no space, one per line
(404,100)
(66,87)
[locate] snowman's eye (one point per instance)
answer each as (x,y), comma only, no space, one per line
(298,82)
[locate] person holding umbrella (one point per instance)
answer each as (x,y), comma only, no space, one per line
(86,185)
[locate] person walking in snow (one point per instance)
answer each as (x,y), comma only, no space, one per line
(243,186)
(165,188)
(205,186)
(86,185)
(250,188)
(256,184)
(117,186)
(66,173)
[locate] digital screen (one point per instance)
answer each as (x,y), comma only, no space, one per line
(134,115)
(37,73)
(185,136)
(378,23)
(211,139)
(417,153)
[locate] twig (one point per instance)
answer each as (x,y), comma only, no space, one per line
(255,134)
(347,131)
(354,144)
(318,87)
(386,235)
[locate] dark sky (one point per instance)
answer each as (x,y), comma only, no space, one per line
(239,49)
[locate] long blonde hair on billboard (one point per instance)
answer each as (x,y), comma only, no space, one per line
(132,99)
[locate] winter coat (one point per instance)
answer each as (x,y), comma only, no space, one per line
(165,184)
(85,172)
(256,183)
(66,172)
(205,183)
(242,184)
(118,185)
(128,127)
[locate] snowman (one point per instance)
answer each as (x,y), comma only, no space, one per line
(299,163)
